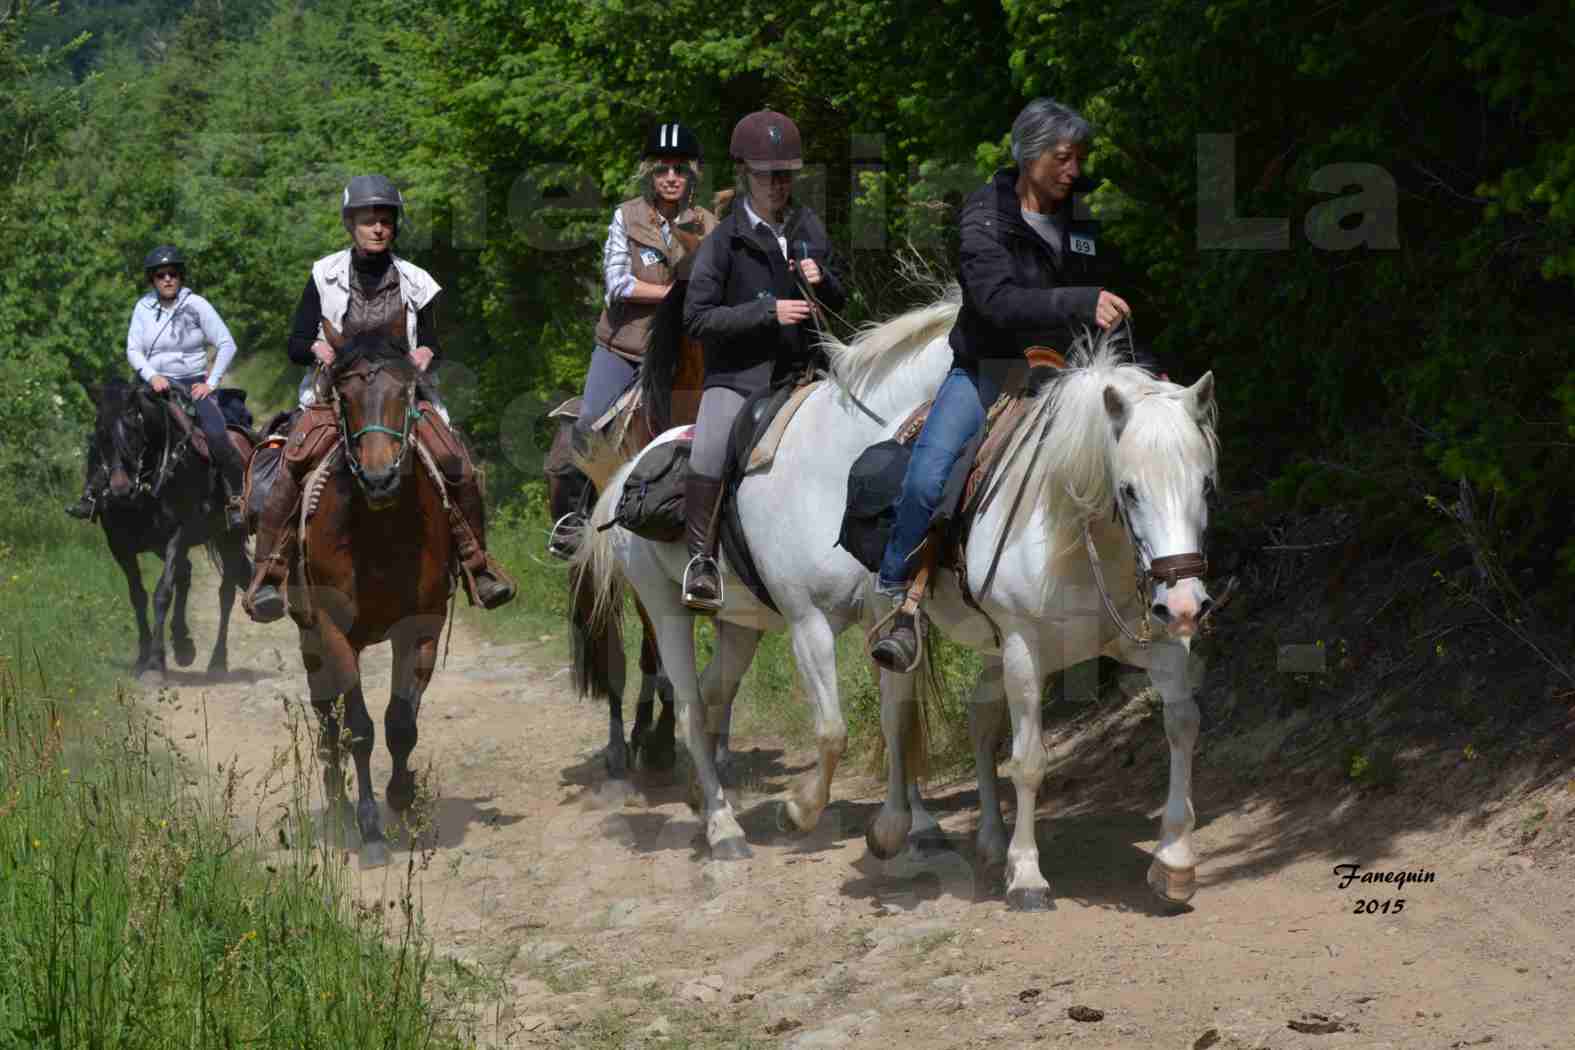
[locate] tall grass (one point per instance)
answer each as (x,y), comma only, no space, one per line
(140,908)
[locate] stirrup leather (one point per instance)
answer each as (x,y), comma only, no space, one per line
(700,560)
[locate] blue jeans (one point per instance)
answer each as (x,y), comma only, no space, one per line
(957,415)
(605,381)
(211,420)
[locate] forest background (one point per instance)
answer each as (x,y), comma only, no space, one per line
(1358,214)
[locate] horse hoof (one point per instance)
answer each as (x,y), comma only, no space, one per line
(617,765)
(185,651)
(1173,886)
(374,855)
(887,834)
(151,676)
(401,794)
(929,844)
(1033,899)
(660,758)
(734,848)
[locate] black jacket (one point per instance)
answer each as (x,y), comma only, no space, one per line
(738,276)
(1016,294)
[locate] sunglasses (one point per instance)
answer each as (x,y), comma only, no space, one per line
(167,275)
(670,169)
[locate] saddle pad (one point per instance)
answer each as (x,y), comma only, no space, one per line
(570,409)
(765,450)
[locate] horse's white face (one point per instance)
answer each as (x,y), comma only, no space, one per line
(1162,467)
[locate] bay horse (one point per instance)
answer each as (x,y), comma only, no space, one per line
(160,499)
(374,566)
(1114,463)
(667,395)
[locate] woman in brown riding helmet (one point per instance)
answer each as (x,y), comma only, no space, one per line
(747,306)
(364,289)
(650,247)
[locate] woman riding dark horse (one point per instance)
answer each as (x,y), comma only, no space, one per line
(367,290)
(650,247)
(171,328)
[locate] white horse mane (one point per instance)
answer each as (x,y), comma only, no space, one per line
(871,366)
(1072,477)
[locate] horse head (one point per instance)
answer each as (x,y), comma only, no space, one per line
(1163,460)
(127,425)
(374,387)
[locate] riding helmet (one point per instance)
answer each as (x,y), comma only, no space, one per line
(672,140)
(767,141)
(373,191)
(164,255)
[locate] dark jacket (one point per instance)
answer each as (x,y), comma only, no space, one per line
(738,276)
(1016,294)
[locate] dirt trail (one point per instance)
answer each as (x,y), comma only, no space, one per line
(594,899)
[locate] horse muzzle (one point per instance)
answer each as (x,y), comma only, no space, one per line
(381,489)
(1180,600)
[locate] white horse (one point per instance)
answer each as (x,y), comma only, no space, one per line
(1107,434)
(792,515)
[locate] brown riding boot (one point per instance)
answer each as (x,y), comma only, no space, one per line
(702,579)
(275,547)
(485,581)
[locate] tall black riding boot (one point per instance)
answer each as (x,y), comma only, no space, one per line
(702,578)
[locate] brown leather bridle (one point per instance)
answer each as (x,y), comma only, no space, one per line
(1169,570)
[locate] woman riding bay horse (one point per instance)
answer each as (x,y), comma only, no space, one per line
(365,290)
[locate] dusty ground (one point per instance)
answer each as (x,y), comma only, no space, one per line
(595,903)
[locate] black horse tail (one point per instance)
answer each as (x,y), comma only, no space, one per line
(663,353)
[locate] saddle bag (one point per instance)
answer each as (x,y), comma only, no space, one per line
(442,444)
(874,484)
(261,473)
(232,406)
(312,436)
(652,502)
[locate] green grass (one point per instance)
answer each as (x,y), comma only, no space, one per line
(133,912)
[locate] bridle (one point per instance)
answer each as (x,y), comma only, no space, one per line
(412,415)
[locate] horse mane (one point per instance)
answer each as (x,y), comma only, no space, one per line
(1072,479)
(664,344)
(372,347)
(873,360)
(115,400)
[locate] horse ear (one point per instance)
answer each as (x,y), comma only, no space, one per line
(1200,396)
(1116,407)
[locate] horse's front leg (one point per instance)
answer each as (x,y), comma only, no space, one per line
(163,595)
(986,719)
(368,818)
(236,571)
(180,631)
(138,594)
(735,651)
(415,655)
(1173,874)
(815,654)
(1026,887)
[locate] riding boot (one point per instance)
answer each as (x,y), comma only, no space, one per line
(577,494)
(275,548)
(486,583)
(898,647)
(702,579)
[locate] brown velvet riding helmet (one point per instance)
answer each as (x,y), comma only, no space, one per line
(767,141)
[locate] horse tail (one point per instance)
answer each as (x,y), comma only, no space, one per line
(663,356)
(596,585)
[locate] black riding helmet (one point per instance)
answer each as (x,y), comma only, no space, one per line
(672,140)
(164,255)
(372,191)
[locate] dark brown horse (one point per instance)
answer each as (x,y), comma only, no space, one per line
(375,567)
(161,497)
(668,396)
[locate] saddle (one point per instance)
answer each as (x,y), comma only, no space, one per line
(875,480)
(237,423)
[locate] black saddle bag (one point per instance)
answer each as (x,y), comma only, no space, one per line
(232,406)
(652,501)
(874,484)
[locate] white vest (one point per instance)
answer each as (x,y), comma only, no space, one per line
(331,274)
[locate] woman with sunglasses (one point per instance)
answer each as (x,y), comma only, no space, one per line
(650,246)
(167,344)
(366,289)
(746,305)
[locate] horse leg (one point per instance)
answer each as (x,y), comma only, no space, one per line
(1026,888)
(1173,874)
(724,756)
(163,594)
(986,719)
(656,747)
(180,631)
(675,638)
(735,650)
(235,572)
(330,753)
(415,655)
(600,669)
(886,834)
(363,737)
(127,560)
(815,653)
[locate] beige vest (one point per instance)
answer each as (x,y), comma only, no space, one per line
(624,325)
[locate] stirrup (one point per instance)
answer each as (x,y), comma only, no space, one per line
(563,540)
(879,632)
(696,602)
